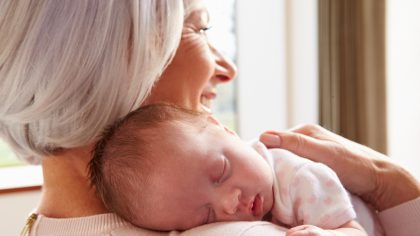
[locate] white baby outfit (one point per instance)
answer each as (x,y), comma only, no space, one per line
(306,192)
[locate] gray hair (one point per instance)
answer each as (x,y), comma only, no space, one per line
(69,68)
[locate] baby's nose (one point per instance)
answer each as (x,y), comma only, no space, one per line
(231,202)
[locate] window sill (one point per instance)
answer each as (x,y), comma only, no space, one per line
(22,178)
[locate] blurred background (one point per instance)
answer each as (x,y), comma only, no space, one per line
(352,66)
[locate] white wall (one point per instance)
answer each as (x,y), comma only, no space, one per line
(403,69)
(14,208)
(302,61)
(261,66)
(277,64)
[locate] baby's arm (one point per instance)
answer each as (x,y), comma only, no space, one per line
(351,228)
(313,198)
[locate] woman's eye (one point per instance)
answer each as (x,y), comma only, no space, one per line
(204,29)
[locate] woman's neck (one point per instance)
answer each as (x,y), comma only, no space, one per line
(66,191)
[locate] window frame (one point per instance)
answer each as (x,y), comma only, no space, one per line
(20,178)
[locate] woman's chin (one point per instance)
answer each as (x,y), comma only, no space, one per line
(206,104)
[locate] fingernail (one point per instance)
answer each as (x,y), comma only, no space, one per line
(270,140)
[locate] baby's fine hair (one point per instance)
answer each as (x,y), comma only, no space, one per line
(123,157)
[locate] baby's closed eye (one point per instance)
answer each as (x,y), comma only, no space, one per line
(224,174)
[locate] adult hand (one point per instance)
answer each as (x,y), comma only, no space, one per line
(363,171)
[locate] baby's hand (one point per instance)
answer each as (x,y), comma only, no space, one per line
(308,230)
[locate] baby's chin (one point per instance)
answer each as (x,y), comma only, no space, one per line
(267,216)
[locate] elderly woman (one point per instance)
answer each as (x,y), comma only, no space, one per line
(70,68)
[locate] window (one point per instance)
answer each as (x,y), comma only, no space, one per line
(222,36)
(403,83)
(7,157)
(14,174)
(277,65)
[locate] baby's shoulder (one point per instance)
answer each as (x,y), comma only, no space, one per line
(295,166)
(284,158)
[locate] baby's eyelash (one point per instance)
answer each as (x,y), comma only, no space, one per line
(222,175)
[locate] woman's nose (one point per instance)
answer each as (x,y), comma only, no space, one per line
(231,201)
(225,69)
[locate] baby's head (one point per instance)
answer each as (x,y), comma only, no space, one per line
(167,168)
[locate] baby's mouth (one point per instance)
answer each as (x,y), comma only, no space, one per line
(257,206)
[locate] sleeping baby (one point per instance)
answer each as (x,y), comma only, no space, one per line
(166,168)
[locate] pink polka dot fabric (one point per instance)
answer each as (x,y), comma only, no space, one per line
(306,192)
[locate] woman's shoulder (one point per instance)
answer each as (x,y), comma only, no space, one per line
(237,228)
(243,228)
(111,224)
(102,224)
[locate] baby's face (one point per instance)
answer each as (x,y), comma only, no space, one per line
(206,175)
